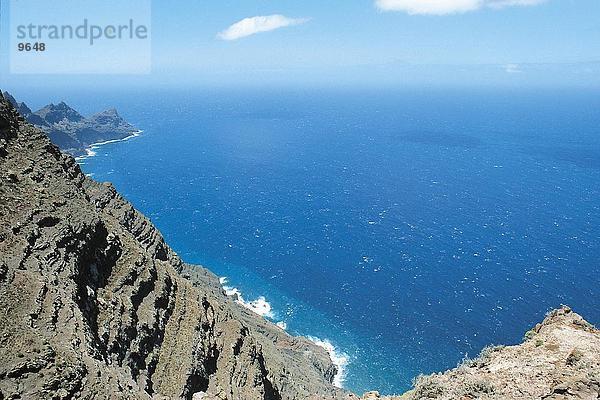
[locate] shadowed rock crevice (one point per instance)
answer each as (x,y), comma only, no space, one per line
(271,392)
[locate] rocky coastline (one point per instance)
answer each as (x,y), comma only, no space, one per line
(95,305)
(73,133)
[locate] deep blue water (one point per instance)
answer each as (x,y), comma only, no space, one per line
(409,228)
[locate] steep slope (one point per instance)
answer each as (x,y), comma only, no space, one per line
(96,305)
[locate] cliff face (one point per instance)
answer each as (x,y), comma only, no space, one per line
(94,304)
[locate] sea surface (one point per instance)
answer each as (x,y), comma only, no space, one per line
(406,229)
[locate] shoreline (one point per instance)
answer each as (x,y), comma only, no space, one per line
(90,149)
(262,307)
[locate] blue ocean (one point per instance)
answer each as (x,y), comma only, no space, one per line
(407,228)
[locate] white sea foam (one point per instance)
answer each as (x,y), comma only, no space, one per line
(339,359)
(89,151)
(259,306)
(282,325)
(262,307)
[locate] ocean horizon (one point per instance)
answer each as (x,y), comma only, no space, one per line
(402,230)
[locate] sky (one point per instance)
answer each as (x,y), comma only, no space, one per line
(358,42)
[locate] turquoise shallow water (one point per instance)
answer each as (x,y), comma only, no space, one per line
(409,229)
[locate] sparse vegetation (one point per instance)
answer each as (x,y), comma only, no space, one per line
(427,387)
(474,388)
(530,334)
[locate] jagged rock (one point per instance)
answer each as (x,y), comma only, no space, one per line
(53,114)
(24,110)
(94,302)
(560,360)
(70,130)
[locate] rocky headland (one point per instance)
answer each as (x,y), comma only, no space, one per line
(558,360)
(72,132)
(95,305)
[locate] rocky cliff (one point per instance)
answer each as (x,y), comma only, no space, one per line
(95,305)
(71,131)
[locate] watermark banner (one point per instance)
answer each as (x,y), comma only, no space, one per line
(80,36)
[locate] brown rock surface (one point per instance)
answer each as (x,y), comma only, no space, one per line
(95,305)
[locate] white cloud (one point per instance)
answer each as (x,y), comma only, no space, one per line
(443,7)
(429,6)
(250,26)
(508,3)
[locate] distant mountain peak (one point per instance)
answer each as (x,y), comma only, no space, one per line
(54,113)
(70,130)
(64,106)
